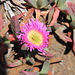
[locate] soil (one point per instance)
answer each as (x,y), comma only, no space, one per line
(65,67)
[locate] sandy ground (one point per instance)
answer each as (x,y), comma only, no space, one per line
(66,67)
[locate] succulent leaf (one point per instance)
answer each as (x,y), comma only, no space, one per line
(6,41)
(32,3)
(56,1)
(42,3)
(51,11)
(56,26)
(24,47)
(47,54)
(39,3)
(63,7)
(30,69)
(74,40)
(45,68)
(73,24)
(31,61)
(55,17)
(17,63)
(72,17)
(68,17)
(60,3)
(62,36)
(29,73)
(46,49)
(1,21)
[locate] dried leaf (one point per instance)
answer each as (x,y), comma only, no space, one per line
(17,70)
(16,63)
(29,14)
(50,39)
(1,21)
(37,14)
(53,60)
(4,30)
(19,3)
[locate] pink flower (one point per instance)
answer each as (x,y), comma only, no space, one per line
(34,35)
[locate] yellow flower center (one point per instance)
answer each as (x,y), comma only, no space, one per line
(35,37)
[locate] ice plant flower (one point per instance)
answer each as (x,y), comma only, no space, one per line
(34,35)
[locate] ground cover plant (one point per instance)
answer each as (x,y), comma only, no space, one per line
(26,29)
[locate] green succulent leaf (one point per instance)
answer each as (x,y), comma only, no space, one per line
(68,17)
(72,17)
(56,1)
(31,60)
(73,24)
(28,57)
(60,3)
(46,49)
(42,3)
(6,41)
(63,7)
(74,40)
(39,3)
(45,68)
(32,3)
(30,69)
